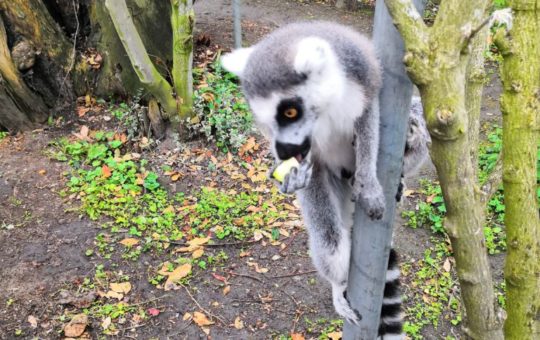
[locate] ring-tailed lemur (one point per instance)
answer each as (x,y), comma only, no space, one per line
(313,89)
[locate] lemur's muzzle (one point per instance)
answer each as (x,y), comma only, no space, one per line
(287,150)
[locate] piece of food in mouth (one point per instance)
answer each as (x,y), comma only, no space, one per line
(284,168)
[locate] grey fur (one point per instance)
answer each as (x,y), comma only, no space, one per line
(270,66)
(343,130)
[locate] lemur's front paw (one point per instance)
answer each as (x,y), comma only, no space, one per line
(371,197)
(298,178)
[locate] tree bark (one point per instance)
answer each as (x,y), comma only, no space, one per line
(350,5)
(116,75)
(149,76)
(22,108)
(520,104)
(30,20)
(182,21)
(437,61)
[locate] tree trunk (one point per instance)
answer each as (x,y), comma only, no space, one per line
(350,5)
(59,48)
(148,75)
(182,21)
(437,62)
(116,75)
(22,108)
(520,104)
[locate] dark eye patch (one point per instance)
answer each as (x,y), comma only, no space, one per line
(284,108)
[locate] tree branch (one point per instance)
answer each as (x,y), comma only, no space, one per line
(149,76)
(493,181)
(415,34)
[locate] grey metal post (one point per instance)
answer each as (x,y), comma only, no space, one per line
(371,240)
(237,24)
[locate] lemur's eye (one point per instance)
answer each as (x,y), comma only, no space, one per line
(291,113)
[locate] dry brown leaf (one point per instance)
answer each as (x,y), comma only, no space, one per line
(124,287)
(179,273)
(32,321)
(198,253)
(129,242)
(112,295)
(199,241)
(297,336)
(238,323)
(187,316)
(408,193)
(201,319)
(335,335)
(42,172)
(106,323)
(106,171)
(76,326)
(226,290)
(446,265)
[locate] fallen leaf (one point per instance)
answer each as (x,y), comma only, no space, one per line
(106,323)
(408,193)
(226,290)
(76,326)
(335,335)
(81,110)
(32,321)
(153,311)
(187,316)
(199,241)
(297,336)
(177,274)
(106,171)
(198,253)
(111,295)
(219,277)
(201,319)
(430,198)
(446,265)
(123,287)
(238,323)
(129,242)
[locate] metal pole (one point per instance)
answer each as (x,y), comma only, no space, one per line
(237,24)
(371,240)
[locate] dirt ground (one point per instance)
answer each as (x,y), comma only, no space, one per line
(43,236)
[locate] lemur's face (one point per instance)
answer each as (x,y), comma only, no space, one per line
(287,122)
(289,90)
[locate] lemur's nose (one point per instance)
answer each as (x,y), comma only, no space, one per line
(288,150)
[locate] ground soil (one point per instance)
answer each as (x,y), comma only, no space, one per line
(43,239)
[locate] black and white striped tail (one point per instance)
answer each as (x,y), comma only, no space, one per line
(391,327)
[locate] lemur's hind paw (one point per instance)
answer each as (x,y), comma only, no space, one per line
(298,178)
(371,197)
(344,309)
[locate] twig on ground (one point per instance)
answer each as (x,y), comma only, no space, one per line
(244,275)
(223,322)
(291,239)
(294,274)
(215,245)
(493,181)
(151,300)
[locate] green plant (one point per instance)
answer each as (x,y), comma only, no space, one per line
(432,292)
(3,134)
(221,113)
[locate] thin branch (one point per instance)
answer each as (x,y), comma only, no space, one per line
(223,322)
(244,275)
(415,34)
(294,274)
(494,180)
(74,51)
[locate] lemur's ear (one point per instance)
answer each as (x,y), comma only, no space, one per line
(236,61)
(312,55)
